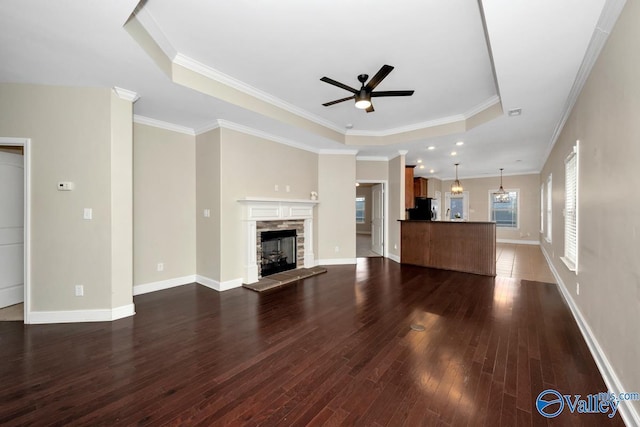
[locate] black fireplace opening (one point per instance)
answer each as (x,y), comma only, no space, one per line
(279,252)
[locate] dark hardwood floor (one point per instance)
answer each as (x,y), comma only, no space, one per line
(336,349)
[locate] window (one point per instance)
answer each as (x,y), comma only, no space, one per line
(360,204)
(549,204)
(457,206)
(571,210)
(505,214)
(541,208)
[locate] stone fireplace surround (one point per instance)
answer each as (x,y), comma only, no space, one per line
(261,214)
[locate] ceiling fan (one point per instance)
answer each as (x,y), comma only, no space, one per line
(365,93)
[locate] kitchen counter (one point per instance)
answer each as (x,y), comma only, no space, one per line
(467,246)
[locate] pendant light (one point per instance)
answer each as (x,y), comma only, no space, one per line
(456,187)
(501,196)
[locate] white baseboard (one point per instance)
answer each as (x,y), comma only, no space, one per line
(394,257)
(162,284)
(518,241)
(629,415)
(12,295)
(218,286)
(336,261)
(76,316)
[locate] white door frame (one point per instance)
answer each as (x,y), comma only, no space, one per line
(385,220)
(25,143)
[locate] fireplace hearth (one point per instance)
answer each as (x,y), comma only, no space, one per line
(278,251)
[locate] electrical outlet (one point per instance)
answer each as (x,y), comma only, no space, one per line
(79,290)
(160,266)
(207,213)
(276,187)
(287,188)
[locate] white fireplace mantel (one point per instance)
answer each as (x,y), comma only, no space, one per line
(267,209)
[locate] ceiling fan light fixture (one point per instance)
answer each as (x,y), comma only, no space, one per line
(363,100)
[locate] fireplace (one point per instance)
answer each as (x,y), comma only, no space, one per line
(263,215)
(278,251)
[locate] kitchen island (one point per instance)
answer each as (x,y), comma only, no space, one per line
(467,246)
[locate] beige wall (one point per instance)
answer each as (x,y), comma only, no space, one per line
(605,120)
(164,204)
(208,181)
(529,210)
(368,170)
(396,204)
(336,210)
(121,201)
(252,167)
(73,132)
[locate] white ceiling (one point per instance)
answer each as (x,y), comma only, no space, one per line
(281,49)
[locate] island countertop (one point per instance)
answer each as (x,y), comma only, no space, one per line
(467,246)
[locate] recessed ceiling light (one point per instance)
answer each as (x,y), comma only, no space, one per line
(453,153)
(349,126)
(431,171)
(431,147)
(419,161)
(421,167)
(459,143)
(515,112)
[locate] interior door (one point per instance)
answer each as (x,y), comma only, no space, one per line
(11,229)
(377,219)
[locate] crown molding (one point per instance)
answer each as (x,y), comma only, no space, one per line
(213,74)
(610,13)
(225,124)
(430,123)
(149,23)
(142,120)
(125,94)
(207,127)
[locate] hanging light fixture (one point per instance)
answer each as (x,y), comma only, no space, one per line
(501,196)
(456,187)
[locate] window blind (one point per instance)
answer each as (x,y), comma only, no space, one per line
(571,209)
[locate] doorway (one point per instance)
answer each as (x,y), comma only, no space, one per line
(14,228)
(370,219)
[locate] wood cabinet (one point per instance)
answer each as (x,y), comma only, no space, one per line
(408,187)
(420,187)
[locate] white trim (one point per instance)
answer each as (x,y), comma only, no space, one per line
(260,134)
(518,242)
(218,286)
(508,190)
(145,288)
(394,257)
(608,17)
(149,23)
(125,94)
(207,127)
(336,261)
(25,143)
(213,74)
(142,120)
(430,123)
(12,295)
(77,316)
(627,411)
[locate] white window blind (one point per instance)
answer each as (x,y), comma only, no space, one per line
(541,208)
(571,210)
(549,210)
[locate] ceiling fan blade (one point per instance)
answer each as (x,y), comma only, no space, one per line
(340,85)
(381,74)
(392,93)
(326,104)
(370,109)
